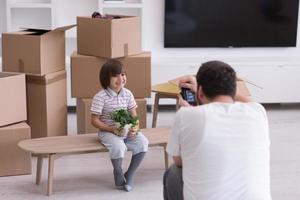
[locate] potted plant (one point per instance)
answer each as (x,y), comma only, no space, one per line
(124,121)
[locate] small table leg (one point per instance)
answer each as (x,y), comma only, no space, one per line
(39,169)
(155,110)
(177,104)
(166,157)
(50,174)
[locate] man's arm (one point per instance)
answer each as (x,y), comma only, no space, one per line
(173,145)
(243,99)
(177,161)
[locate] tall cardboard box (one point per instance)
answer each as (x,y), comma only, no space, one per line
(14,160)
(84,115)
(85,74)
(34,51)
(47,104)
(12,98)
(109,38)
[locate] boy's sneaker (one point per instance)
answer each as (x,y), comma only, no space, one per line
(127,188)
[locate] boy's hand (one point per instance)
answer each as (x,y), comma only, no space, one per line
(116,131)
(132,132)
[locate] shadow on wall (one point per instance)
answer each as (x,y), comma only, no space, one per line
(1,53)
(2,26)
(2,16)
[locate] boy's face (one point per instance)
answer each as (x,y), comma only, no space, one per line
(117,82)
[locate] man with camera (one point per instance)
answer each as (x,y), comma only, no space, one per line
(221,147)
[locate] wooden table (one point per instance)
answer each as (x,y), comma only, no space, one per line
(54,147)
(171,89)
(164,90)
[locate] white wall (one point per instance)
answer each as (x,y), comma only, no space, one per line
(276,70)
(65,12)
(155,29)
(264,66)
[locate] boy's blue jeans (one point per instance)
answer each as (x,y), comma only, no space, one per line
(118,146)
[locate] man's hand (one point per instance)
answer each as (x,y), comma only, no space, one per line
(188,82)
(177,161)
(182,102)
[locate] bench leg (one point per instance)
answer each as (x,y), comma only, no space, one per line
(155,110)
(166,157)
(39,169)
(50,173)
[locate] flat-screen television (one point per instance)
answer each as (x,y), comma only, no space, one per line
(231,23)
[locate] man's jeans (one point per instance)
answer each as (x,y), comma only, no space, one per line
(173,183)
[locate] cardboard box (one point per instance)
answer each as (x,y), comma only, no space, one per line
(12,98)
(14,160)
(34,51)
(109,38)
(47,104)
(85,74)
(84,115)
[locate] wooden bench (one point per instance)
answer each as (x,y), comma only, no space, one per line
(54,147)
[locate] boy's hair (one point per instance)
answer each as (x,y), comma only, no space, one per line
(216,78)
(111,68)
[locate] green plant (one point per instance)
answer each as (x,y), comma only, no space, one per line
(124,117)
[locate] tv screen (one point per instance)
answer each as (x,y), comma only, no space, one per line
(231,23)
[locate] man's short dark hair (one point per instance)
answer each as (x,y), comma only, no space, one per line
(109,69)
(216,78)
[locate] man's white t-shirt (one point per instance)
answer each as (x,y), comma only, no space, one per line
(225,151)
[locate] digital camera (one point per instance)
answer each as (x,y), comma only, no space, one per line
(189,96)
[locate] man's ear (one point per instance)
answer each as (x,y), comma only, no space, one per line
(200,94)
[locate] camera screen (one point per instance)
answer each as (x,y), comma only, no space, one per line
(189,96)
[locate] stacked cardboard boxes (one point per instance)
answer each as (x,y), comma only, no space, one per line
(14,161)
(85,74)
(40,54)
(99,40)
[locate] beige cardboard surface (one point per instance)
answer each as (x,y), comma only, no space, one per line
(47,104)
(34,51)
(109,38)
(85,74)
(14,160)
(84,116)
(12,98)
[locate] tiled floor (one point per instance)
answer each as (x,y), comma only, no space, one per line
(89,176)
